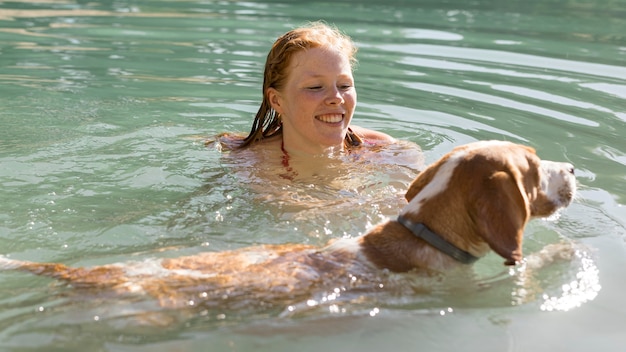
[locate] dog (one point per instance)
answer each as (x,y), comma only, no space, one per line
(475,199)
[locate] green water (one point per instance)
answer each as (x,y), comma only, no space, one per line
(104,108)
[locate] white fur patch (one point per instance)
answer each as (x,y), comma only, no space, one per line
(350,245)
(438,184)
(154,268)
(558,182)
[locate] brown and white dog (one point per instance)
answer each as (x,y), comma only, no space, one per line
(476,198)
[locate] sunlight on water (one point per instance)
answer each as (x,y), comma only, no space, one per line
(584,289)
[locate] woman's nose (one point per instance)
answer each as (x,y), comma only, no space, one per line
(334,96)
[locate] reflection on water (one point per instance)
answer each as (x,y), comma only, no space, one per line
(319,199)
(584,288)
(541,277)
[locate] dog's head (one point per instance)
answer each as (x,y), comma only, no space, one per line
(486,192)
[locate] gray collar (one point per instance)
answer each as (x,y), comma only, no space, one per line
(423,232)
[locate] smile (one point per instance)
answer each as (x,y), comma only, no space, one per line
(330,118)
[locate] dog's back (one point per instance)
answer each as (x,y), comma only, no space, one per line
(264,274)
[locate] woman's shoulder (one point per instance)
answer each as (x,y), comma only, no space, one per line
(388,150)
(371,135)
(234,141)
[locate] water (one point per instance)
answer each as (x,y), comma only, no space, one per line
(106,107)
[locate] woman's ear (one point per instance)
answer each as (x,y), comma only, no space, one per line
(275,100)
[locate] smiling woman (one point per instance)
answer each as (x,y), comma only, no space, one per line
(309,97)
(317,101)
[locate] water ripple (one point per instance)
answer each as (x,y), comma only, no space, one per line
(508,58)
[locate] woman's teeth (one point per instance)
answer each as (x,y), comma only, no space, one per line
(330,118)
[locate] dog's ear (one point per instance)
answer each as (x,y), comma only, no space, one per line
(500,213)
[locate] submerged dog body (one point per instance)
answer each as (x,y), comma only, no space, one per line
(476,198)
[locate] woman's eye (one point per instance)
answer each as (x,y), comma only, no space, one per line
(340,87)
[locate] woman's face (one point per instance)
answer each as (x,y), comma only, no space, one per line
(317,102)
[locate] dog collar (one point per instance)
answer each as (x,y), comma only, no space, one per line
(420,230)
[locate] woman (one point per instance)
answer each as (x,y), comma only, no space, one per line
(309,96)
(304,121)
(303,160)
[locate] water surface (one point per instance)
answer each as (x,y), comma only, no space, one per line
(106,107)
